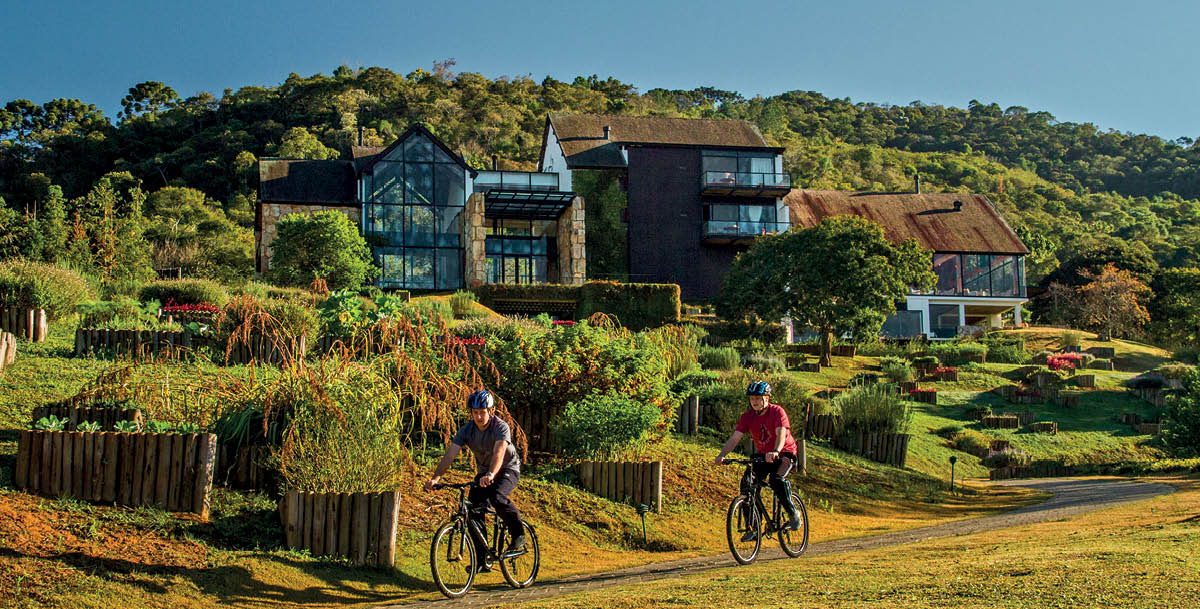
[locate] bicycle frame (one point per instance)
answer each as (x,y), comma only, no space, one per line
(462,515)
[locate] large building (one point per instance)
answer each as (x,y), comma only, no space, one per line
(698,192)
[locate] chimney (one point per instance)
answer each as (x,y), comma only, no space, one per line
(957,205)
(495,162)
(917,183)
(607,132)
(360,135)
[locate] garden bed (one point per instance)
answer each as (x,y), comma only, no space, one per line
(358,527)
(635,483)
(26,324)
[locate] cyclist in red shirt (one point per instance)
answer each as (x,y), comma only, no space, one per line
(771,431)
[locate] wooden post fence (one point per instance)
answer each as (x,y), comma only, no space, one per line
(245,468)
(359,527)
(1001,422)
(139,343)
(688,422)
(27,324)
(886,448)
(106,416)
(636,483)
(169,471)
(8,349)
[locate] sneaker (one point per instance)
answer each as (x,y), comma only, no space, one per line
(749,535)
(517,545)
(793,524)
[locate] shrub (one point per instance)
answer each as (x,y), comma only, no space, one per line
(763,362)
(37,285)
(1011,457)
(958,352)
(1181,420)
(693,382)
(294,318)
(971,442)
(600,425)
(926,360)
(1005,348)
(1041,357)
(978,412)
(863,378)
(1100,363)
(896,370)
(1070,338)
(874,408)
(1148,380)
(1174,370)
(120,314)
(719,358)
(462,303)
(636,305)
(185,291)
(880,348)
(722,404)
(324,245)
(947,431)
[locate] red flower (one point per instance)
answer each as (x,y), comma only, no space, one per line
(944,369)
(563,322)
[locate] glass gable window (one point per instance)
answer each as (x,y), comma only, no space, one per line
(413,216)
(995,275)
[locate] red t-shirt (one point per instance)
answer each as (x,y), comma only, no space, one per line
(761,428)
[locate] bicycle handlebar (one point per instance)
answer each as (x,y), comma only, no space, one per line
(444,485)
(749,461)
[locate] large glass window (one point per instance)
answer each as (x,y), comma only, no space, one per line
(520,251)
(741,220)
(948,277)
(413,216)
(997,275)
(943,320)
(741,168)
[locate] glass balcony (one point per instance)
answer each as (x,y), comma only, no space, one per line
(716,231)
(516,180)
(746,183)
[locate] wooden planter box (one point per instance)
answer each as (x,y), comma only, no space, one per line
(169,471)
(1046,379)
(821,426)
(1155,396)
(924,370)
(904,387)
(1084,380)
(1001,422)
(1005,391)
(978,358)
(1068,400)
(1130,418)
(810,367)
(1102,352)
(951,377)
(106,416)
(636,483)
(1148,429)
(887,448)
(927,397)
(1050,427)
(688,422)
(26,324)
(1102,365)
(8,349)
(138,343)
(999,446)
(844,350)
(1023,418)
(359,527)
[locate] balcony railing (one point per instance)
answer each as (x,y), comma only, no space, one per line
(741,230)
(746,182)
(516,180)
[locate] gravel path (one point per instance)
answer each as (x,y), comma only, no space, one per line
(1070,498)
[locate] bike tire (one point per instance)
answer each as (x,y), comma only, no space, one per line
(452,559)
(521,571)
(736,528)
(794,543)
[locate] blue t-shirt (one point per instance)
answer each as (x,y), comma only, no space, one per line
(482,443)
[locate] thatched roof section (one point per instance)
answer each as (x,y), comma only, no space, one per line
(581,136)
(301,181)
(934,219)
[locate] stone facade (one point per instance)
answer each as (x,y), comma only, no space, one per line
(572,251)
(474,252)
(269,215)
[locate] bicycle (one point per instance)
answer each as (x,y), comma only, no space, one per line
(744,523)
(452,555)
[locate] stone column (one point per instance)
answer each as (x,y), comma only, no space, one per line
(1017,317)
(572,251)
(474,242)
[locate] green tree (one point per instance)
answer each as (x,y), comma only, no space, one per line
(607,247)
(147,99)
(323,245)
(1181,421)
(1175,309)
(842,275)
(298,143)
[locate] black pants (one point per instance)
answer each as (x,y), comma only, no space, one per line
(776,477)
(497,495)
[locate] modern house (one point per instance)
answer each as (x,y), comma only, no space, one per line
(978,259)
(698,190)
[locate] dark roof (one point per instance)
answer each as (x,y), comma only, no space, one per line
(581,136)
(364,155)
(369,158)
(931,219)
(301,181)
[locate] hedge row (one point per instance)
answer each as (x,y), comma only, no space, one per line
(636,305)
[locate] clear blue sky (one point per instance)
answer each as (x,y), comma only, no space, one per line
(1130,66)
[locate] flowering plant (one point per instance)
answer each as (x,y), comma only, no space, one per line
(944,369)
(1064,361)
(563,322)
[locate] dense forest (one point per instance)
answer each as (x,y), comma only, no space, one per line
(180,173)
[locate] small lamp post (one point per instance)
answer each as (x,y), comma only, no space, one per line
(642,510)
(953,460)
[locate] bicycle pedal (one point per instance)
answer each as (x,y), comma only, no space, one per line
(521,552)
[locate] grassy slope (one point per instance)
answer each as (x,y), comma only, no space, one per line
(1136,555)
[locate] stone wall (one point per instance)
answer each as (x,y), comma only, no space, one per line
(474,238)
(269,215)
(572,252)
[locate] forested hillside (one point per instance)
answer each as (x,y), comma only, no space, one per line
(1067,188)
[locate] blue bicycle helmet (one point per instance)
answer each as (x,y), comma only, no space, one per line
(481,399)
(758,388)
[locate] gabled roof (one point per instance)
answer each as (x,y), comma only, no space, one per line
(365,154)
(581,136)
(931,219)
(303,181)
(370,158)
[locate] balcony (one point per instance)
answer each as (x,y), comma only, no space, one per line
(746,184)
(522,194)
(718,232)
(516,180)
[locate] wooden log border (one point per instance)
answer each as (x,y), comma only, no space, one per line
(359,527)
(169,471)
(8,349)
(887,448)
(622,481)
(26,324)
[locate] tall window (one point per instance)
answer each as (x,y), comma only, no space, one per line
(413,216)
(1000,275)
(742,168)
(520,251)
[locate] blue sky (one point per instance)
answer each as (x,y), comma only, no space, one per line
(1122,65)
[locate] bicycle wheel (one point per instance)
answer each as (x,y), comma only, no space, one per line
(743,530)
(794,543)
(452,559)
(521,568)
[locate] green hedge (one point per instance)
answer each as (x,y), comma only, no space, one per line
(636,305)
(37,285)
(185,291)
